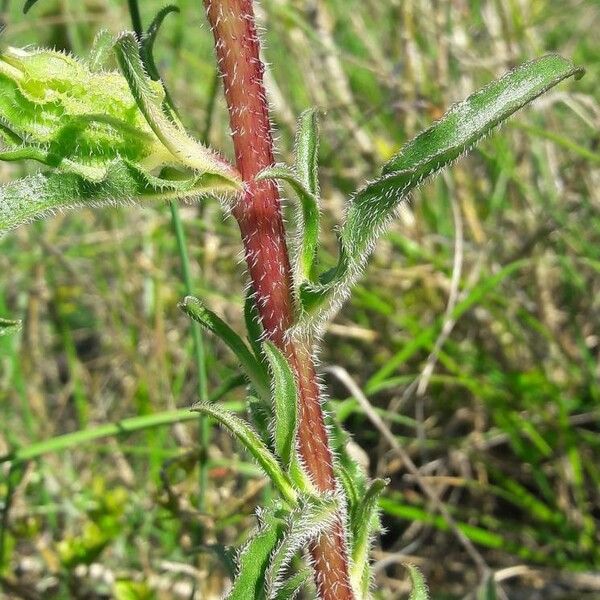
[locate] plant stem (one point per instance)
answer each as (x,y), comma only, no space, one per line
(258,214)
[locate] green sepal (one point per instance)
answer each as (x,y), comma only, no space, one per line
(253,368)
(373,206)
(314,515)
(254,445)
(100,51)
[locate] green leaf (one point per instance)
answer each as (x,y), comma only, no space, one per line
(28,5)
(261,417)
(86,125)
(70,117)
(307,218)
(306,150)
(457,131)
(419,590)
(37,196)
(100,51)
(291,588)
(285,404)
(304,181)
(254,558)
(252,442)
(7,326)
(313,516)
(185,149)
(363,521)
(254,369)
(253,325)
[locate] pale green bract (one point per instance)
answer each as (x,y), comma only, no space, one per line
(104,135)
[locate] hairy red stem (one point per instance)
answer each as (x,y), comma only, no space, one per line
(258,213)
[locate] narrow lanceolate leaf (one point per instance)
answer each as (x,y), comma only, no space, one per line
(37,196)
(254,369)
(253,325)
(186,150)
(285,404)
(253,444)
(313,516)
(307,218)
(419,590)
(292,586)
(306,150)
(464,125)
(8,326)
(363,521)
(254,558)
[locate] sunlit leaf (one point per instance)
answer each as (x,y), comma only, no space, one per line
(372,207)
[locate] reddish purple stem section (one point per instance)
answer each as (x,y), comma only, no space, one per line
(258,213)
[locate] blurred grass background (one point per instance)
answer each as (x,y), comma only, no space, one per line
(476,333)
